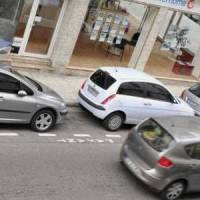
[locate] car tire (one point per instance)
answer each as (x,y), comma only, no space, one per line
(114,121)
(173,191)
(43,120)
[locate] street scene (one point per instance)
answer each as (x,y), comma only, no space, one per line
(77,160)
(99,99)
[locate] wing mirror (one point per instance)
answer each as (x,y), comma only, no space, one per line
(22,93)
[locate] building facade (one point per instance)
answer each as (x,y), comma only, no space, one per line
(156,36)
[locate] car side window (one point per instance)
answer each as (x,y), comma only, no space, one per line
(9,84)
(193,151)
(131,89)
(157,92)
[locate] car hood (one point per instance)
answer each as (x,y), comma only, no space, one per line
(50,94)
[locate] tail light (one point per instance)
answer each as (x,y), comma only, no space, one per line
(165,162)
(83,85)
(105,101)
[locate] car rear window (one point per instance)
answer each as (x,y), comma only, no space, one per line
(102,79)
(155,136)
(195,90)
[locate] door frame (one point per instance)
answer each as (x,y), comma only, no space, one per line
(28,29)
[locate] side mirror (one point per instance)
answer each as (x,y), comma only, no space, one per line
(22,93)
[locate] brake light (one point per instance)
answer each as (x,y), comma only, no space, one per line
(83,85)
(105,101)
(165,162)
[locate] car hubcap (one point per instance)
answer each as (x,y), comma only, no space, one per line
(175,191)
(44,121)
(115,122)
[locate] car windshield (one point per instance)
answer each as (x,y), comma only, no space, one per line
(155,136)
(102,79)
(195,90)
(25,78)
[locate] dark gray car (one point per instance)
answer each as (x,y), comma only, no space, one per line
(25,101)
(164,153)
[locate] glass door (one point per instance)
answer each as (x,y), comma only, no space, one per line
(42,28)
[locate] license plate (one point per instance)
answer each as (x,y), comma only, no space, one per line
(92,91)
(131,164)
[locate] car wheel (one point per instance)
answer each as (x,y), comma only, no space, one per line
(173,191)
(113,121)
(43,120)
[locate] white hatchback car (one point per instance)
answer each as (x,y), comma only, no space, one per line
(126,96)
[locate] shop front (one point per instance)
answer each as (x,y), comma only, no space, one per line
(37,28)
(159,37)
(156,36)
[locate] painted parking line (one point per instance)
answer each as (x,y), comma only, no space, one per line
(85,140)
(9,134)
(113,136)
(82,135)
(46,135)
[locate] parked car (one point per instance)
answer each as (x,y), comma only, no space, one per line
(164,153)
(24,100)
(126,96)
(192,97)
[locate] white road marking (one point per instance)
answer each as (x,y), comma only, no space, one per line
(46,135)
(87,140)
(9,134)
(82,135)
(113,136)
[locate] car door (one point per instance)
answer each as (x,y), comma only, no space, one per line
(131,101)
(159,102)
(14,108)
(193,151)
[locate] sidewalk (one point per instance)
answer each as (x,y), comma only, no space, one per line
(68,86)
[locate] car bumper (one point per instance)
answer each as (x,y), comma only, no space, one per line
(62,116)
(143,175)
(97,110)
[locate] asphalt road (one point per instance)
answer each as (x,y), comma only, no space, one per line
(78,160)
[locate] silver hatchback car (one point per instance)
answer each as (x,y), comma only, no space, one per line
(25,101)
(164,153)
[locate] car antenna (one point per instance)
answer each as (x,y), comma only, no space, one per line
(116,69)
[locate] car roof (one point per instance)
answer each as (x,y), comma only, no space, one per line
(125,74)
(184,129)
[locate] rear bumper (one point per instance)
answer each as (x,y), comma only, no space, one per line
(143,175)
(97,110)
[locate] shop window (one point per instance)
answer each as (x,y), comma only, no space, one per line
(173,55)
(109,34)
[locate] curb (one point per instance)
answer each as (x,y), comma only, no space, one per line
(72,104)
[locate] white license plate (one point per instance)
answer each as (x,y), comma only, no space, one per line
(92,91)
(131,164)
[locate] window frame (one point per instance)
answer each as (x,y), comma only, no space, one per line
(171,99)
(132,82)
(20,85)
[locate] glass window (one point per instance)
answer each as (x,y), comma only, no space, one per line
(155,136)
(131,89)
(195,90)
(193,151)
(102,79)
(9,84)
(157,92)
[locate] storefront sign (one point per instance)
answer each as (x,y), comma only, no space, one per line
(189,6)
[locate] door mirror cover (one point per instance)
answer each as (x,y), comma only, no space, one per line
(22,93)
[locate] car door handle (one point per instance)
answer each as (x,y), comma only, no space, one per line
(147,104)
(1,98)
